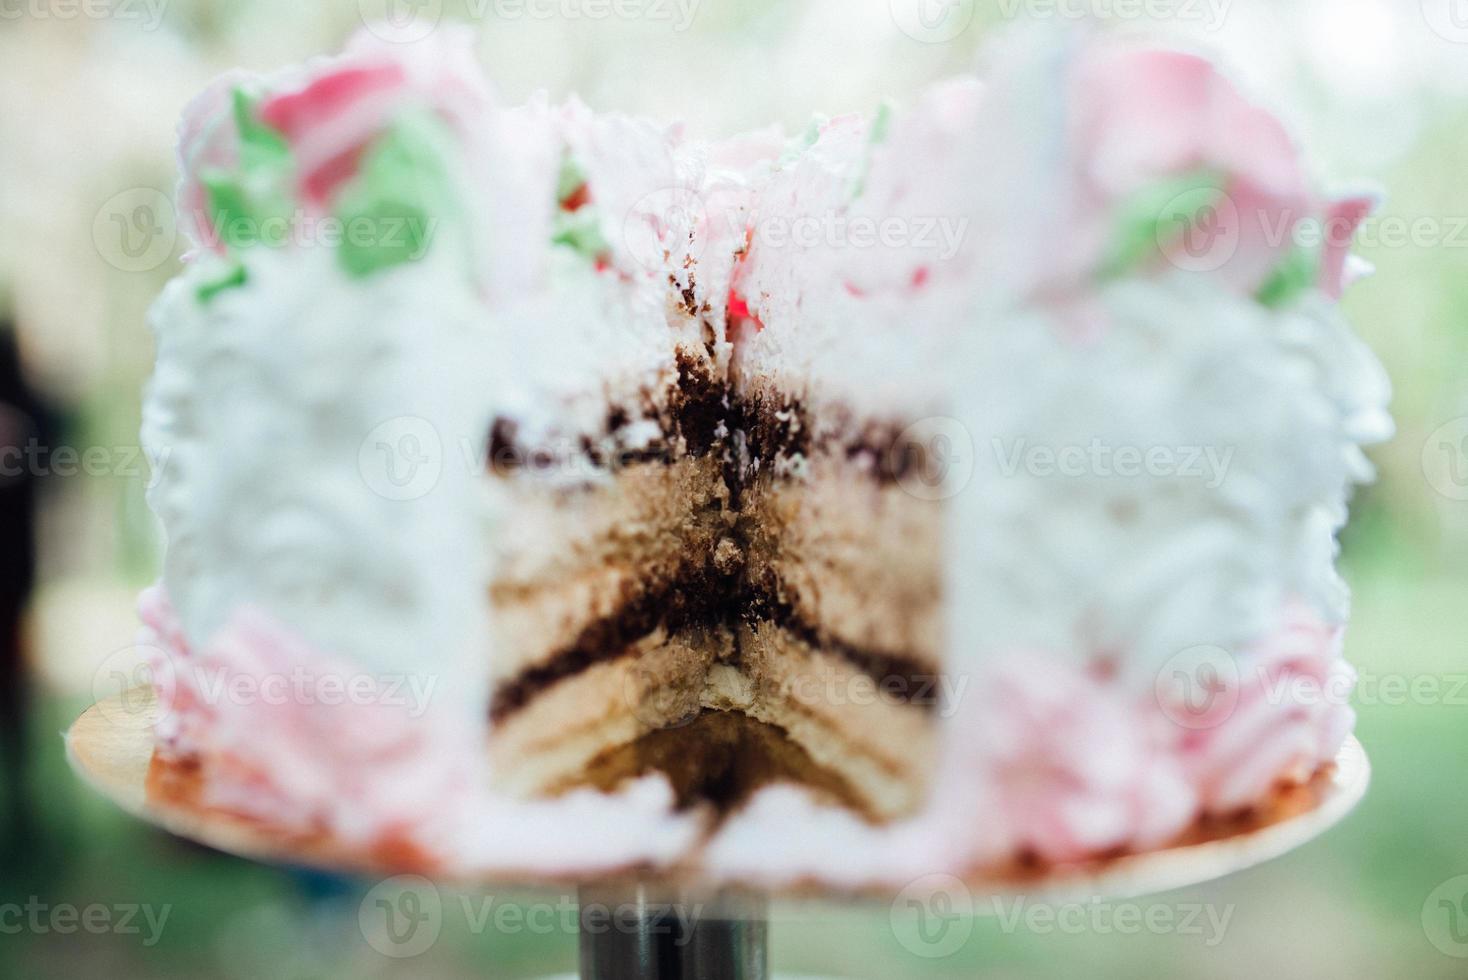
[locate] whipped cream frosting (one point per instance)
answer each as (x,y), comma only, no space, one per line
(1157,446)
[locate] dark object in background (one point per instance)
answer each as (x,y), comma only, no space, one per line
(23,441)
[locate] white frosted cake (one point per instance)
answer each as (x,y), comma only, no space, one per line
(940,488)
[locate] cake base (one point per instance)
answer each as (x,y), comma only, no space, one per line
(111,747)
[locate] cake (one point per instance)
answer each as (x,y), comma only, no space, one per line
(938,488)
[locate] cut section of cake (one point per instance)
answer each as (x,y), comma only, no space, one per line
(606,462)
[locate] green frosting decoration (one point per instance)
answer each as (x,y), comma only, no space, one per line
(1297,274)
(876,135)
(881,122)
(231,277)
(1144,221)
(391,210)
(799,144)
(242,200)
(580,231)
(570,179)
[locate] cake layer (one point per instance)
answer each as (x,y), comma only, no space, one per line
(723,758)
(548,743)
(705,598)
(860,731)
(579,568)
(856,558)
(848,722)
(688,603)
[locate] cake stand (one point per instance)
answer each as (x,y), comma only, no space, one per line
(111,747)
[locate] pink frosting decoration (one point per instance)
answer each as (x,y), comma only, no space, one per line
(1072,768)
(330,122)
(306,742)
(1290,715)
(330,112)
(185,719)
(369,766)
(1342,219)
(205,141)
(1144,116)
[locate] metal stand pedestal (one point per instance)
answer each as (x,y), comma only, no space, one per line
(639,934)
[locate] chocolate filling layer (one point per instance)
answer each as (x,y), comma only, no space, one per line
(705,598)
(719,758)
(703,414)
(689,424)
(698,597)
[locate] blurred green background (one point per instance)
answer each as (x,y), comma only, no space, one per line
(89,95)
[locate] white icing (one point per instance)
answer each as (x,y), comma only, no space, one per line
(266,405)
(1256,417)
